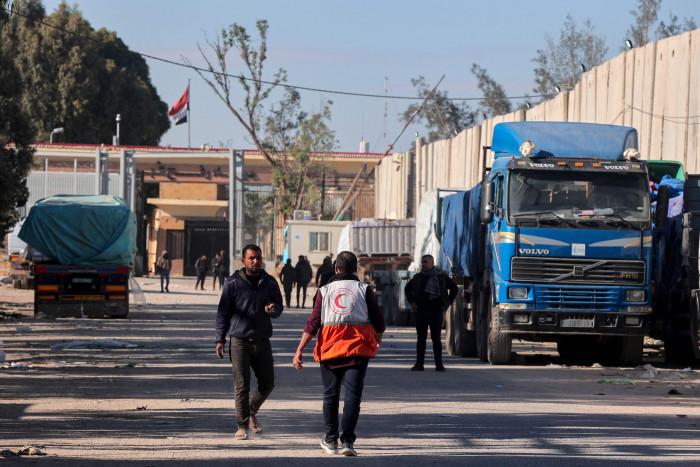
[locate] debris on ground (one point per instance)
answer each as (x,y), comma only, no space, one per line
(94,344)
(24,329)
(25,450)
(617,381)
(650,373)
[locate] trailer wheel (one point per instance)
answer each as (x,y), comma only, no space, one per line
(24,283)
(16,283)
(500,345)
(481,319)
(695,325)
(454,326)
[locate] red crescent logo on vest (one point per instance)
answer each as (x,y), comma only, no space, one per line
(342,301)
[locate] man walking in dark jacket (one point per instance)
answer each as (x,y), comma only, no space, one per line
(304,274)
(223,268)
(288,277)
(429,292)
(201,266)
(249,299)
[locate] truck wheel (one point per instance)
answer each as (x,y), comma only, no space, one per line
(500,345)
(24,283)
(453,327)
(16,283)
(481,323)
(695,326)
(630,350)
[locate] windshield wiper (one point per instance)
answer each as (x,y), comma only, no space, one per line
(625,223)
(539,215)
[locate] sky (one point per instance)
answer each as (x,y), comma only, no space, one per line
(353,46)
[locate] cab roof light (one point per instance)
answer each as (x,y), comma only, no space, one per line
(578,164)
(597,164)
(561,163)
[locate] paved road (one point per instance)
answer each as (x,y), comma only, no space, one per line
(168,401)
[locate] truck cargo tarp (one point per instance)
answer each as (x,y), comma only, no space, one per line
(460,234)
(85,230)
(564,139)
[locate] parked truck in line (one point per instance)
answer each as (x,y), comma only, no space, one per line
(676,315)
(554,244)
(384,250)
(81,249)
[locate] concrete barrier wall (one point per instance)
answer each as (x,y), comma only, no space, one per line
(655,89)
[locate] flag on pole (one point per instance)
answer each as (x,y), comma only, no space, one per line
(181,107)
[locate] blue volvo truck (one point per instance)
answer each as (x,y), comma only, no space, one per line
(555,244)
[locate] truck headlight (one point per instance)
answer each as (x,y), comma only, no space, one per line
(635,295)
(517,293)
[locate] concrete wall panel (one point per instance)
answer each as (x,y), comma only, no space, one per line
(675,109)
(615,105)
(693,104)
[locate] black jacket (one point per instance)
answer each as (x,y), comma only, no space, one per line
(241,310)
(415,291)
(288,275)
(303,272)
(201,265)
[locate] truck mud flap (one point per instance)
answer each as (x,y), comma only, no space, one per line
(66,309)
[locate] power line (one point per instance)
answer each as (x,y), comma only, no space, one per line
(292,86)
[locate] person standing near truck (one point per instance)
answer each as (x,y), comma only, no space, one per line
(429,292)
(249,299)
(201,266)
(351,327)
(164,265)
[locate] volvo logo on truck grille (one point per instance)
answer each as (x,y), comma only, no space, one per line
(533,251)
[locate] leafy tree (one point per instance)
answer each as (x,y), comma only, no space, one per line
(559,64)
(292,142)
(79,79)
(673,28)
(644,19)
(495,100)
(442,117)
(16,137)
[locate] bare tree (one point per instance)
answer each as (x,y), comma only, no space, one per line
(443,117)
(495,100)
(673,28)
(560,63)
(292,142)
(645,17)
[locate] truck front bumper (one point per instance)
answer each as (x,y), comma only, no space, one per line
(573,322)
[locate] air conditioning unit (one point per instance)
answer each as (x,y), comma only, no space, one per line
(300,215)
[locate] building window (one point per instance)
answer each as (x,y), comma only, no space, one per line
(319,241)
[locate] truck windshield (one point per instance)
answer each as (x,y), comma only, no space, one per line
(584,195)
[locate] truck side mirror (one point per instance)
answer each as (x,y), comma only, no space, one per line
(661,215)
(486,206)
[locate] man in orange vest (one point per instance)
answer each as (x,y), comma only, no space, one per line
(351,324)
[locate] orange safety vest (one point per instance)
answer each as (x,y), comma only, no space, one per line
(346,330)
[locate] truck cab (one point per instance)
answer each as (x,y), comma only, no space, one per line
(567,242)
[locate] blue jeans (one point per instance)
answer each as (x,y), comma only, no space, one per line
(354,377)
(164,275)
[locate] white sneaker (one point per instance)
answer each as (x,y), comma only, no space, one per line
(347,449)
(329,447)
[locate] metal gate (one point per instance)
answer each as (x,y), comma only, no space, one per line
(203,238)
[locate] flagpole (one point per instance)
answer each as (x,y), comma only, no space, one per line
(188,116)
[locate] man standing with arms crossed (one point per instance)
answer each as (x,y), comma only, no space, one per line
(351,324)
(249,299)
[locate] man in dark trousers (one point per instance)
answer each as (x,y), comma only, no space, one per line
(249,299)
(351,327)
(429,292)
(304,274)
(223,268)
(201,266)
(215,270)
(288,278)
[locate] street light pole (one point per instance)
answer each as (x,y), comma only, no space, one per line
(55,132)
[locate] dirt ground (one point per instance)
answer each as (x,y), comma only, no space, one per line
(164,398)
